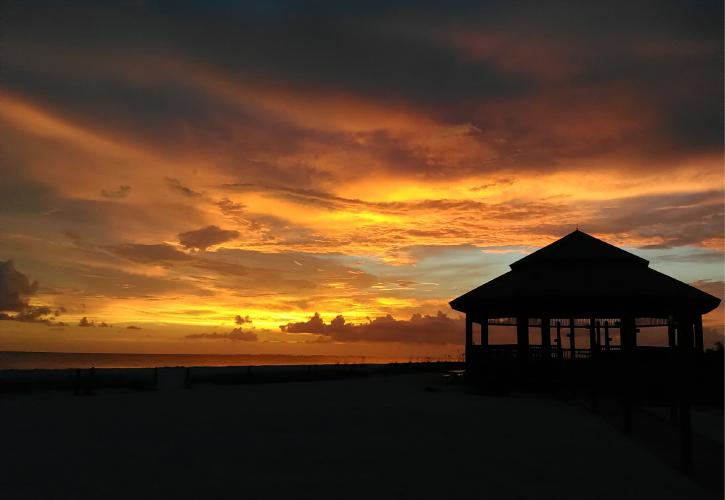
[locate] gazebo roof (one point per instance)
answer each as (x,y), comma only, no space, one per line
(582,276)
(579,248)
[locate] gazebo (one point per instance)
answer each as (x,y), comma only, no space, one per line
(582,282)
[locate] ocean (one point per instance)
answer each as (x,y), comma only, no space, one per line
(18,360)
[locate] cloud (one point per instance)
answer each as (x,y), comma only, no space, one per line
(121,192)
(84,322)
(15,293)
(671,220)
(235,335)
(241,320)
(423,126)
(419,329)
(716,288)
(15,288)
(36,313)
(178,187)
(161,252)
(313,325)
(133,327)
(201,239)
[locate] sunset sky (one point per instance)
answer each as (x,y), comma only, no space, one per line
(230,177)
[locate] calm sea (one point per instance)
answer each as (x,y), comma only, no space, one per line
(50,360)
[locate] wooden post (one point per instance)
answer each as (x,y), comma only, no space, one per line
(595,335)
(484,332)
(558,338)
(469,339)
(522,337)
(699,340)
(592,337)
(673,359)
(545,337)
(606,336)
(599,335)
(627,334)
(572,339)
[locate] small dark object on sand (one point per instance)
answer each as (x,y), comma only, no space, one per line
(454,377)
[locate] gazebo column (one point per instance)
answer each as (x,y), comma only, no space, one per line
(673,359)
(484,333)
(594,350)
(599,334)
(572,339)
(545,337)
(699,341)
(558,339)
(522,337)
(671,338)
(469,339)
(628,334)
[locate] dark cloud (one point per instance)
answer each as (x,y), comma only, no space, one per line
(36,313)
(312,325)
(121,192)
(236,334)
(15,288)
(176,186)
(675,219)
(419,329)
(133,327)
(22,196)
(636,79)
(85,322)
(239,320)
(201,239)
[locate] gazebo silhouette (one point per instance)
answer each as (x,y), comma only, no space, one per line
(582,282)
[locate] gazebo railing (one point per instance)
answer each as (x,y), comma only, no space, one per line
(536,352)
(580,322)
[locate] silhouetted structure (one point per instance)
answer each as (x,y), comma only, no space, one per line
(581,282)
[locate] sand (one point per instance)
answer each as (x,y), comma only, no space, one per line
(395,436)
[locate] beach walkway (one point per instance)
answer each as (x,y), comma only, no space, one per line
(398,436)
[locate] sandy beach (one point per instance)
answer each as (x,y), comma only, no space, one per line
(395,436)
